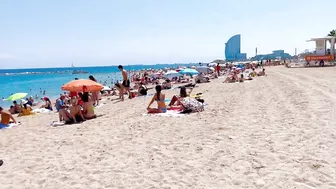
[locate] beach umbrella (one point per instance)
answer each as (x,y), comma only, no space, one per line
(82,85)
(171,74)
(189,72)
(17,96)
(203,69)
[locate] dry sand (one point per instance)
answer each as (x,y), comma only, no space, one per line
(278,131)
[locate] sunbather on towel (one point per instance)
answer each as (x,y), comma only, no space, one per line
(176,99)
(6,118)
(160,99)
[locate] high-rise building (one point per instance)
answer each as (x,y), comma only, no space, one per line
(232,49)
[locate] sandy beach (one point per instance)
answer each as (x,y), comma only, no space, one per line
(277,131)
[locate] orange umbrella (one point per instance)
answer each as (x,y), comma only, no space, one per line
(82,85)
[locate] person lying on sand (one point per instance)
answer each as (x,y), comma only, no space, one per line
(160,99)
(88,107)
(232,79)
(262,73)
(74,116)
(6,118)
(177,99)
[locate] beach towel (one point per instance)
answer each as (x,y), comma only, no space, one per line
(169,113)
(8,126)
(41,110)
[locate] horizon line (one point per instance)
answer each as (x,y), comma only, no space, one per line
(97,66)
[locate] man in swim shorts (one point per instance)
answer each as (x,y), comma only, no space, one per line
(125,84)
(6,117)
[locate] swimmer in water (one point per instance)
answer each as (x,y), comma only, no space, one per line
(44,92)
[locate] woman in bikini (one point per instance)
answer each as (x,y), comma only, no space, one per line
(88,108)
(160,99)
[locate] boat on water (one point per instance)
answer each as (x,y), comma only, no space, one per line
(78,71)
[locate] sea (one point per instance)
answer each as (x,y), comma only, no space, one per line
(35,81)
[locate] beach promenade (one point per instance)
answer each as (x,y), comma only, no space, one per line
(277,131)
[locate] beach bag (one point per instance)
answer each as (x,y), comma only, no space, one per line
(192,105)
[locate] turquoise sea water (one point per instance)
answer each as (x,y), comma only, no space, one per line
(35,81)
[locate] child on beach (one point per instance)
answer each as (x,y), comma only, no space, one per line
(160,99)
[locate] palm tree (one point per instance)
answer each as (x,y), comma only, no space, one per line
(332,33)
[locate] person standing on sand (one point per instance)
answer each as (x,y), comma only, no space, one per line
(95,95)
(125,84)
(218,69)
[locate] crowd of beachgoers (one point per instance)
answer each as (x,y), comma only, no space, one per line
(76,107)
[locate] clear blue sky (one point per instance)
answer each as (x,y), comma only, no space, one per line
(43,33)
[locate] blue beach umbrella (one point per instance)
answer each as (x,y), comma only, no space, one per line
(171,74)
(189,72)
